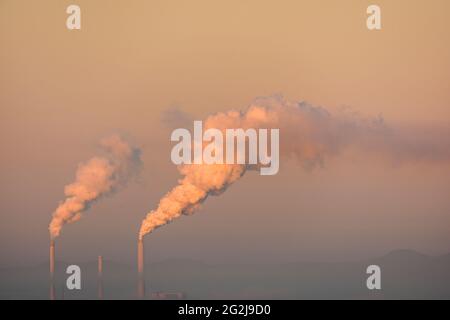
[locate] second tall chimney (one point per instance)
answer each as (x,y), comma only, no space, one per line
(100,278)
(52,259)
(52,269)
(140,267)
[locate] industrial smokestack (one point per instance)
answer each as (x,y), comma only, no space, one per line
(140,267)
(310,135)
(100,266)
(100,278)
(140,256)
(52,269)
(52,291)
(52,258)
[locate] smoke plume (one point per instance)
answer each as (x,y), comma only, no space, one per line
(96,178)
(308,134)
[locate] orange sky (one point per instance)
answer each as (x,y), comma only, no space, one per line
(61,90)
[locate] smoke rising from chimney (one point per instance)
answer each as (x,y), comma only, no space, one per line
(308,134)
(96,178)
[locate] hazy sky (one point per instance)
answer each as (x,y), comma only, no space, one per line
(61,91)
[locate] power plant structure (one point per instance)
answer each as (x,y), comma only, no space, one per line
(52,270)
(140,269)
(52,288)
(141,292)
(158,295)
(100,277)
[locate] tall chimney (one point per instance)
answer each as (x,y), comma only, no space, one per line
(140,267)
(52,259)
(100,278)
(52,291)
(52,269)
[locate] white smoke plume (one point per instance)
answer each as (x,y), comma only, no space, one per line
(96,178)
(307,133)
